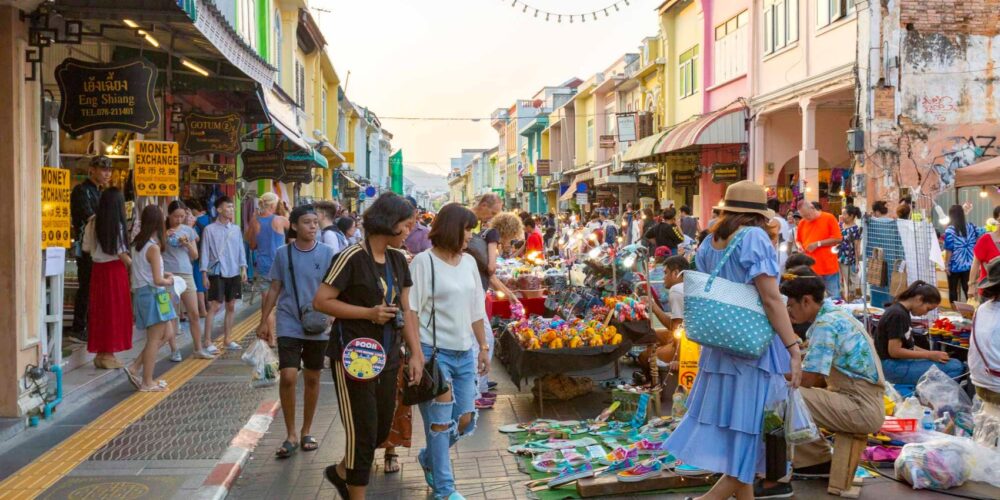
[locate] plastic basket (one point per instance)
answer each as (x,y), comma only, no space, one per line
(893,424)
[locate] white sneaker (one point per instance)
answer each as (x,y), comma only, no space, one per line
(203,355)
(211,349)
(176,356)
(233,346)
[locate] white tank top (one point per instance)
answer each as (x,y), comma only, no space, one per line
(142,271)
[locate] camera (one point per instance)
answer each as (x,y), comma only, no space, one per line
(397,322)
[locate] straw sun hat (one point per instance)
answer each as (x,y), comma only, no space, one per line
(747,197)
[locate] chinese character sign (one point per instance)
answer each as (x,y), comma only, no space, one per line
(155,167)
(55,207)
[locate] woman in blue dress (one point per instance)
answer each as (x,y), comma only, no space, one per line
(721,431)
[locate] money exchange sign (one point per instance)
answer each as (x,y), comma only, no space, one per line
(55,208)
(155,167)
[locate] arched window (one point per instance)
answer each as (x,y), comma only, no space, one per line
(276,57)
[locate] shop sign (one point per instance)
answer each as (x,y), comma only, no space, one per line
(543,167)
(350,190)
(155,167)
(607,141)
(528,183)
(726,172)
(687,365)
(626,127)
(212,173)
(55,207)
(212,134)
(107,95)
(581,198)
(684,178)
(298,171)
(263,164)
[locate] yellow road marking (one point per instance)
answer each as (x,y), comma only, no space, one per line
(34,478)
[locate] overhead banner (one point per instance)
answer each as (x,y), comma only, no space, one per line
(263,164)
(107,95)
(212,134)
(396,172)
(155,167)
(55,208)
(212,173)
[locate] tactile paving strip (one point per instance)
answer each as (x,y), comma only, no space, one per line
(198,421)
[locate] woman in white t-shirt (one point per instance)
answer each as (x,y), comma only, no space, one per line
(448,302)
(984,346)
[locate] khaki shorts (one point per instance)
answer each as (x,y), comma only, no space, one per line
(189,281)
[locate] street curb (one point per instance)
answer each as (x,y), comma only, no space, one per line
(228,468)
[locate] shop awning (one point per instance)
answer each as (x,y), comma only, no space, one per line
(643,148)
(570,192)
(352,181)
(331,153)
(725,126)
(281,115)
(309,155)
(984,173)
(586,175)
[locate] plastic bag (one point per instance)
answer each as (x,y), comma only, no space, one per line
(264,363)
(986,417)
(910,408)
(941,393)
(938,464)
(892,399)
(799,425)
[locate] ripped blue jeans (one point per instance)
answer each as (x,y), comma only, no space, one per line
(459,368)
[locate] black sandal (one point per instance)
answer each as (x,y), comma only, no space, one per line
(391,459)
(309,443)
(341,484)
(287,449)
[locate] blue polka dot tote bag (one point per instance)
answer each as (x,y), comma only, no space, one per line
(723,314)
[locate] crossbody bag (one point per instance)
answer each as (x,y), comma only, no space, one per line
(313,322)
(432,383)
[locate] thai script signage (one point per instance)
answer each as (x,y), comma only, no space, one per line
(212,173)
(263,164)
(107,95)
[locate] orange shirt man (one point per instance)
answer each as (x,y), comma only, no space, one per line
(817,235)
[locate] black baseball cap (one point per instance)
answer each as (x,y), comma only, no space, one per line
(299,211)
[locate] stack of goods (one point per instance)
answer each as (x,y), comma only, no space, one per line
(558,453)
(557,333)
(625,308)
(951,330)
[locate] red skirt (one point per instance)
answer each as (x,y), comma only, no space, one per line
(109,314)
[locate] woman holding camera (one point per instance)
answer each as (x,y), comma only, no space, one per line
(448,303)
(367,289)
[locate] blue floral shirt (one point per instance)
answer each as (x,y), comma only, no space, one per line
(845,252)
(838,340)
(961,247)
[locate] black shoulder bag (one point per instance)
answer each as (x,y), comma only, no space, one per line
(313,321)
(432,383)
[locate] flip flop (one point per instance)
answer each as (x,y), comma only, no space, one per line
(131,377)
(287,449)
(309,443)
(155,388)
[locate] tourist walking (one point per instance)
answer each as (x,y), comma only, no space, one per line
(688,223)
(666,233)
(154,308)
(984,348)
(266,232)
(959,242)
(201,221)
(419,238)
(83,202)
(367,289)
(721,431)
(848,251)
(224,269)
(329,234)
(302,336)
(817,234)
(448,303)
(181,249)
(110,304)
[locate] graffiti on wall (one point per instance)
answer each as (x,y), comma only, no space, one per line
(956,152)
(938,107)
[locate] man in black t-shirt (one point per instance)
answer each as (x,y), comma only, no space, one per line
(666,233)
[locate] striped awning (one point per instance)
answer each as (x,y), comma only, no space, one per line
(725,126)
(643,148)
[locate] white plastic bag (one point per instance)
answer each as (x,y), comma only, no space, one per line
(910,408)
(938,464)
(940,392)
(799,425)
(264,363)
(986,417)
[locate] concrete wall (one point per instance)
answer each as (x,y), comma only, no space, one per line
(682,28)
(719,94)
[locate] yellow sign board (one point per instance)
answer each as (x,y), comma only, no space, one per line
(156,167)
(687,368)
(348,156)
(55,207)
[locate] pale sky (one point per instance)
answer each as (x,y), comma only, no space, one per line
(465,58)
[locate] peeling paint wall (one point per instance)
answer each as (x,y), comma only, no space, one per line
(931,104)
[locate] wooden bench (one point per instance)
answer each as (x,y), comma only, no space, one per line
(847,450)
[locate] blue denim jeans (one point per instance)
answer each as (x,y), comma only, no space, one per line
(458,368)
(832,283)
(908,371)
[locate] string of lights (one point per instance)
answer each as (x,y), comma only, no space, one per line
(486,118)
(548,15)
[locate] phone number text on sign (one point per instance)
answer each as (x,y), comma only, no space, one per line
(55,208)
(155,167)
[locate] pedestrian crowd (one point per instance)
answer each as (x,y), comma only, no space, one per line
(394,305)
